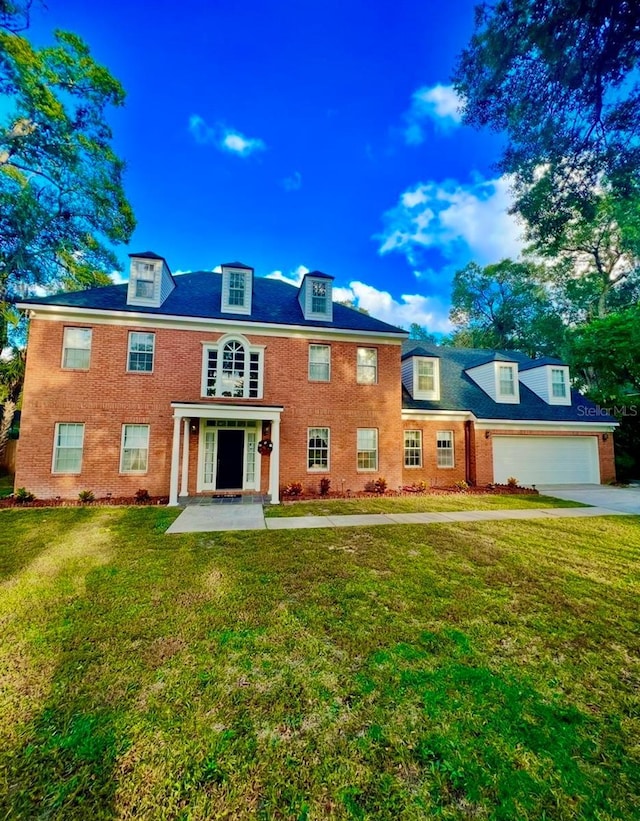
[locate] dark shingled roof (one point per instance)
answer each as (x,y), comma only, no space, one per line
(538,363)
(236,265)
(148,255)
(459,392)
(198,295)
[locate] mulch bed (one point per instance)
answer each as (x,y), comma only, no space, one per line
(486,490)
(111,501)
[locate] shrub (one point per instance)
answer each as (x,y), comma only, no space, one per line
(462,486)
(370,486)
(325,484)
(23,495)
(512,481)
(142,495)
(293,489)
(86,496)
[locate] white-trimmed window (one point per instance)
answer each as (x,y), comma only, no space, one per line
(444,448)
(145,280)
(319,363)
(367,368)
(367,439)
(558,383)
(233,368)
(506,380)
(413,448)
(426,377)
(319,296)
(76,348)
(236,290)
(140,352)
(67,450)
(134,456)
(318,449)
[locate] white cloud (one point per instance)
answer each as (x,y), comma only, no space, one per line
(223,138)
(292,183)
(426,311)
(462,222)
(438,103)
(294,276)
(118,278)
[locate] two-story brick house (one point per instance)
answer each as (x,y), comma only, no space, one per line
(216,382)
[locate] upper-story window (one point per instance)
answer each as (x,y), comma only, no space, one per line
(145,280)
(319,363)
(140,352)
(367,367)
(76,348)
(315,296)
(506,380)
(558,383)
(233,368)
(319,297)
(237,287)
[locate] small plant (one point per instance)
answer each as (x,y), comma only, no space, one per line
(462,486)
(325,484)
(22,495)
(142,495)
(380,485)
(293,489)
(512,481)
(370,486)
(86,496)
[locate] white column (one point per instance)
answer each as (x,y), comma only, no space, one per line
(175,463)
(184,485)
(274,463)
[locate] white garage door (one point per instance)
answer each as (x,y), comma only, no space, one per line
(546,460)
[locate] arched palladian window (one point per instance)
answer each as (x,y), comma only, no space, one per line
(233,368)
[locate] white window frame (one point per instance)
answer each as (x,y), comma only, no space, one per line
(218,347)
(137,471)
(131,352)
(363,450)
(145,274)
(443,451)
(319,468)
(57,448)
(554,397)
(365,368)
(315,347)
(413,450)
(419,393)
(66,347)
(228,305)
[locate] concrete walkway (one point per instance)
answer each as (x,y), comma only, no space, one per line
(251,517)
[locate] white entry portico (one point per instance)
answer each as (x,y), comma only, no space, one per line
(240,427)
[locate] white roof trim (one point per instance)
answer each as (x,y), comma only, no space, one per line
(201,411)
(65,312)
(531,424)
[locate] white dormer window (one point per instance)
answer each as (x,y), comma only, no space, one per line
(506,380)
(145,280)
(236,290)
(558,383)
(421,376)
(315,296)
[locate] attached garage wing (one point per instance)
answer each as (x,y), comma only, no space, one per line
(546,460)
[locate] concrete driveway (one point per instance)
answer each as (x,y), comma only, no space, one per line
(621,499)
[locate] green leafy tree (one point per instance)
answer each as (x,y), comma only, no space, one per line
(12,366)
(421,334)
(560,79)
(62,204)
(504,306)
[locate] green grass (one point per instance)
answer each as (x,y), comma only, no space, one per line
(6,485)
(477,670)
(414,504)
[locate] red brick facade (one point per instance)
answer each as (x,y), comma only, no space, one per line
(105,397)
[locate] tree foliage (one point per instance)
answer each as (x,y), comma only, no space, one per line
(62,204)
(560,79)
(504,306)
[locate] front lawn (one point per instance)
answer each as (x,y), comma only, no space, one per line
(476,670)
(415,504)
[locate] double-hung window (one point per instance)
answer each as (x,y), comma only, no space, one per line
(426,375)
(506,380)
(145,280)
(558,383)
(319,297)
(413,448)
(134,456)
(367,367)
(68,444)
(444,448)
(236,288)
(367,445)
(141,349)
(318,449)
(76,348)
(319,363)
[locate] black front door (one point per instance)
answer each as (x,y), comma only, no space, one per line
(230,459)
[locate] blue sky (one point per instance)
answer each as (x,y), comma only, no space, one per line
(301,135)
